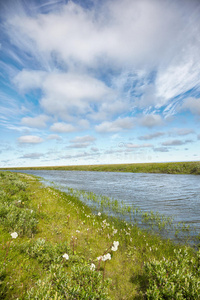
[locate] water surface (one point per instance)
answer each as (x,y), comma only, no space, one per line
(171,195)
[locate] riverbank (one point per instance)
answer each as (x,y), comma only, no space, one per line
(64,251)
(164,168)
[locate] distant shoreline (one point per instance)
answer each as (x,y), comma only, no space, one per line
(163,168)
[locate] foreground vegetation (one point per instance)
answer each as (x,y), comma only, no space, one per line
(52,246)
(167,168)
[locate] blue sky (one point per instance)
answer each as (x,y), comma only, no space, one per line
(94,82)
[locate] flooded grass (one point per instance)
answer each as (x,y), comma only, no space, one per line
(53,246)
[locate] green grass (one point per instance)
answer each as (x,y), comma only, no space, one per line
(167,168)
(54,223)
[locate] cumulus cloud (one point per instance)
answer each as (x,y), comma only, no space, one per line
(30,139)
(62,127)
(151,120)
(80,155)
(82,141)
(29,79)
(32,155)
(135,146)
(67,94)
(176,142)
(116,126)
(54,137)
(192,104)
(37,122)
(151,136)
(184,131)
(161,149)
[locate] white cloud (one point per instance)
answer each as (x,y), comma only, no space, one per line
(54,137)
(122,32)
(32,155)
(37,122)
(116,126)
(133,146)
(29,79)
(192,104)
(79,145)
(62,127)
(151,136)
(178,78)
(150,120)
(68,94)
(176,142)
(184,131)
(82,141)
(94,149)
(116,35)
(161,149)
(30,139)
(72,93)
(80,155)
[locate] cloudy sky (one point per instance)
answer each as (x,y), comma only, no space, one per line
(99,81)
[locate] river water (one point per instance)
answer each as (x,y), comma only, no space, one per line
(176,196)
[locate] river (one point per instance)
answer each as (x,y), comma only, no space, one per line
(176,196)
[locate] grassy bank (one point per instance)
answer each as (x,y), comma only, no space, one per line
(167,168)
(53,247)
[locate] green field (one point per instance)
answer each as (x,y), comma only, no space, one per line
(167,168)
(64,250)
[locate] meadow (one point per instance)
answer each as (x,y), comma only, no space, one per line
(167,168)
(53,246)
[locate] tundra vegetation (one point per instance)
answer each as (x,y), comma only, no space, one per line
(54,246)
(165,168)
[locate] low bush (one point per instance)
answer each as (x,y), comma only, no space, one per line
(81,283)
(21,220)
(44,251)
(174,279)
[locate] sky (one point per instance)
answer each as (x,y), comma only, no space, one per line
(99,82)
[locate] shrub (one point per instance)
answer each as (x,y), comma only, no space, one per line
(17,219)
(45,252)
(174,279)
(80,284)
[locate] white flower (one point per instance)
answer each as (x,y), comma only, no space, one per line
(99,214)
(14,235)
(99,258)
(106,256)
(115,246)
(66,256)
(114,231)
(77,231)
(92,267)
